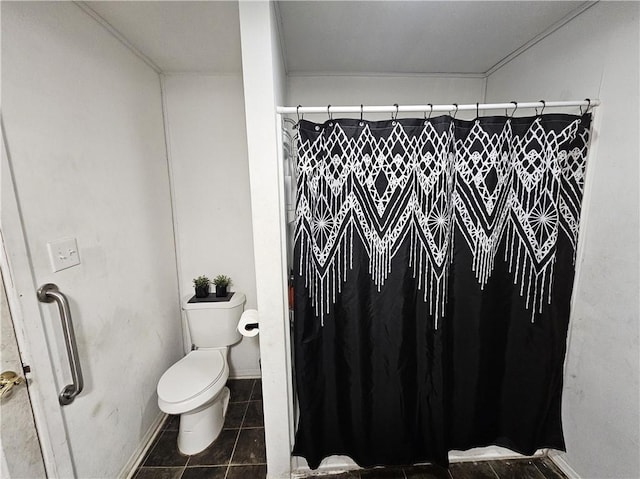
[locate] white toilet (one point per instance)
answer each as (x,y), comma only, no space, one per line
(194,387)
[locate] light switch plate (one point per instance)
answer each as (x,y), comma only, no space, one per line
(63,254)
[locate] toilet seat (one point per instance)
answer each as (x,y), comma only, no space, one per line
(193,381)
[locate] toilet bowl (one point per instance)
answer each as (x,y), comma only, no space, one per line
(194,387)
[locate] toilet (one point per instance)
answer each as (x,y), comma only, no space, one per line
(194,387)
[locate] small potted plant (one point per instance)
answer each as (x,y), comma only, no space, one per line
(201,284)
(222,282)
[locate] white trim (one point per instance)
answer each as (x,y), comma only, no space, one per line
(384,74)
(541,36)
(84,6)
(261,96)
(485,84)
(130,468)
(186,338)
(17,271)
(280,29)
(254,373)
(204,73)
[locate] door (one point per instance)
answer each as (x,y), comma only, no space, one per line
(21,454)
(24,327)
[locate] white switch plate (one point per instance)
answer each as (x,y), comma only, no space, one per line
(63,254)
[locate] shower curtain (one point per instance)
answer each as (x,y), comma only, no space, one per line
(434,263)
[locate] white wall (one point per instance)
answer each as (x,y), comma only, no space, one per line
(383,90)
(264,89)
(84,130)
(596,56)
(212,206)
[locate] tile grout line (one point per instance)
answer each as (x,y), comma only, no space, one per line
(493,470)
(542,474)
(255,381)
(184,468)
(226,473)
(233,451)
(163,431)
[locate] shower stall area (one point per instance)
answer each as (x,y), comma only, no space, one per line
(174,139)
(313,88)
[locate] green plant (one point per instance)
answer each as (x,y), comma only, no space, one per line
(201,282)
(222,280)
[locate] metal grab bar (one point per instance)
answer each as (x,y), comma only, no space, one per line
(49,293)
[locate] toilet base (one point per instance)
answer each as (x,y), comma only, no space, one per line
(200,427)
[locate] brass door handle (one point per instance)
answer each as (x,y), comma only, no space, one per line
(8,379)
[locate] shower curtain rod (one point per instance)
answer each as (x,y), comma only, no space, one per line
(284,110)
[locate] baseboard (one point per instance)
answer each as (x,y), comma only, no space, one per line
(559,460)
(132,464)
(246,374)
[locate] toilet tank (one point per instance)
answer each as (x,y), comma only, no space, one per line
(214,324)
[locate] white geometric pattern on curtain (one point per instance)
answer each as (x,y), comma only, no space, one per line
(489,184)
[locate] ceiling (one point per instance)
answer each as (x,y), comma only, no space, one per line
(340,37)
(179,36)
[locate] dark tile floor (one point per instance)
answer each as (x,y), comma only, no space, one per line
(239,452)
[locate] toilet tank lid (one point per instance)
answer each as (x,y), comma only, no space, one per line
(237,299)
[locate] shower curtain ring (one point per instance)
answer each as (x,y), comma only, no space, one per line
(455,112)
(544,104)
(361,112)
(396,115)
(588,106)
(514,109)
(477,110)
(430,111)
(298,113)
(329,112)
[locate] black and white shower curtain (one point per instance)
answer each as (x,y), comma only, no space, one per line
(434,264)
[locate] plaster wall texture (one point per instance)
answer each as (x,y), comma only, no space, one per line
(207,144)
(83,120)
(337,90)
